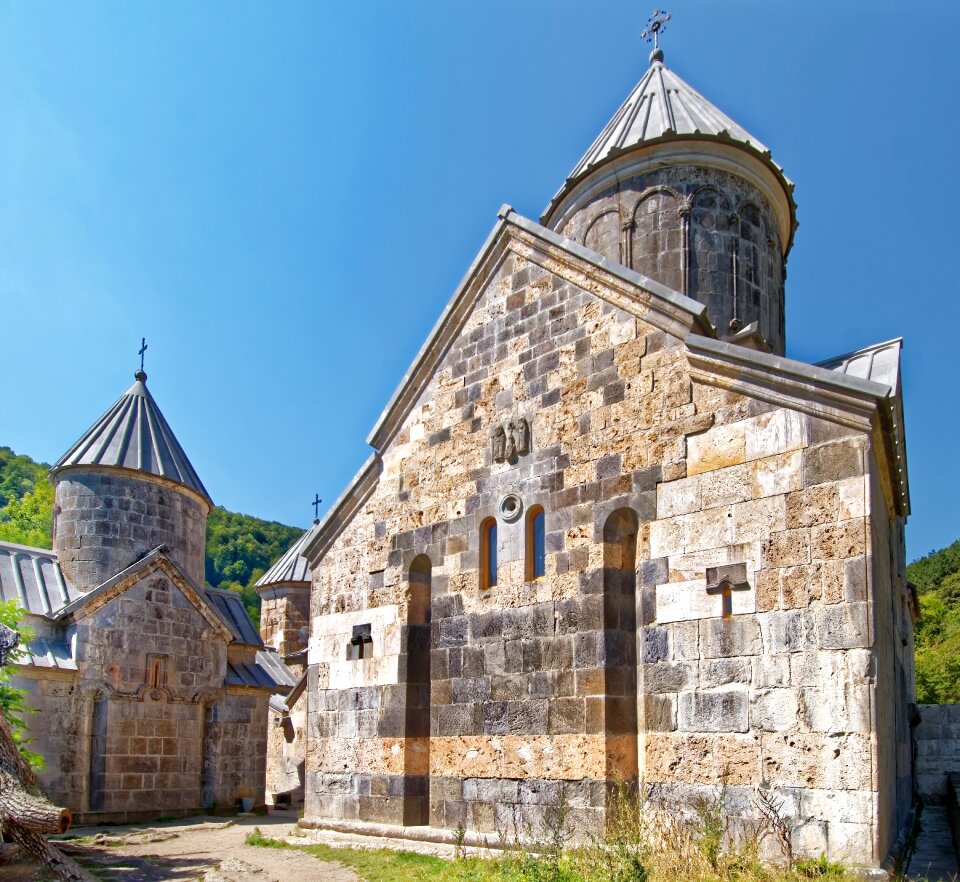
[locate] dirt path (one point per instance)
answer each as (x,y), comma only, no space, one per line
(208,848)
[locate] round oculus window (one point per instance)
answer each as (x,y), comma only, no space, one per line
(510,507)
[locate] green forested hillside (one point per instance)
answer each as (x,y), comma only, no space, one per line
(937,577)
(239,547)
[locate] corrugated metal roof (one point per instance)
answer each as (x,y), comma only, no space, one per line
(229,605)
(33,579)
(46,653)
(268,672)
(292,566)
(880,363)
(662,105)
(270,660)
(133,434)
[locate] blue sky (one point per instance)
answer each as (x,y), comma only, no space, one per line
(282,197)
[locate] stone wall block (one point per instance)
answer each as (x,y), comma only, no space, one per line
(716,448)
(775,432)
(775,710)
(833,461)
(789,632)
(664,677)
(787,548)
(660,713)
(726,638)
(844,626)
(727,710)
(685,641)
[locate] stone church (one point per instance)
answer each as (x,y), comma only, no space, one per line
(151,689)
(609,532)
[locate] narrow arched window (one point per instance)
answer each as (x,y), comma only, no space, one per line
(536,548)
(488,553)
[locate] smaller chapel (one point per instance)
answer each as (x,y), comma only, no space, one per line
(150,688)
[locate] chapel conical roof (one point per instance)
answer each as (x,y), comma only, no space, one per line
(664,107)
(292,565)
(134,435)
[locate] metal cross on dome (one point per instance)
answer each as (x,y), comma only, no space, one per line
(143,349)
(656,24)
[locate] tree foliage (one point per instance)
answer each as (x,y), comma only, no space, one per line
(13,703)
(937,577)
(26,500)
(240,548)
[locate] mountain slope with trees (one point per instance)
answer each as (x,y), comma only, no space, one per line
(240,548)
(937,577)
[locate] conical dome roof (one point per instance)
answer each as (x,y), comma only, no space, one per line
(660,108)
(292,566)
(134,435)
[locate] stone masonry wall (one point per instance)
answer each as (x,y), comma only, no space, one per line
(699,231)
(124,735)
(284,617)
(530,680)
(286,746)
(235,740)
(106,521)
(938,749)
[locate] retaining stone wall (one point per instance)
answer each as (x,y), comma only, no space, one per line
(938,749)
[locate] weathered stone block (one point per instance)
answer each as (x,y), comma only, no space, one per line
(727,710)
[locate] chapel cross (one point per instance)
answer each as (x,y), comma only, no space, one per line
(143,348)
(656,24)
(316,505)
(724,581)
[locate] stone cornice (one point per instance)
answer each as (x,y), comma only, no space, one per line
(126,579)
(705,151)
(856,403)
(134,474)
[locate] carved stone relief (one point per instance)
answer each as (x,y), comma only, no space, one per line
(510,440)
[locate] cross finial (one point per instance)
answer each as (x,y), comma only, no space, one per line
(143,349)
(316,506)
(656,24)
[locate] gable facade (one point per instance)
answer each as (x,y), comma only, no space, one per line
(711,603)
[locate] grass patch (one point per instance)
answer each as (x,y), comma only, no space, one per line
(642,844)
(386,865)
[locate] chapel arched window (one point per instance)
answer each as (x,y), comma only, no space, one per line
(536,543)
(488,553)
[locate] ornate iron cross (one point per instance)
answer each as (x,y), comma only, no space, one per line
(143,349)
(656,24)
(316,505)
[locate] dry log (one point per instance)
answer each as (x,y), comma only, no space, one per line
(25,814)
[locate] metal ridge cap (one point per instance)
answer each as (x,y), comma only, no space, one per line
(873,347)
(16,548)
(789,366)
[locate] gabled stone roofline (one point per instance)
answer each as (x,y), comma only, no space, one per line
(859,404)
(656,304)
(660,306)
(155,559)
(342,511)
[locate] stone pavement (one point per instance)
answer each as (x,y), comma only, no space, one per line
(934,859)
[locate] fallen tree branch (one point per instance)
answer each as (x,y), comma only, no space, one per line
(25,813)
